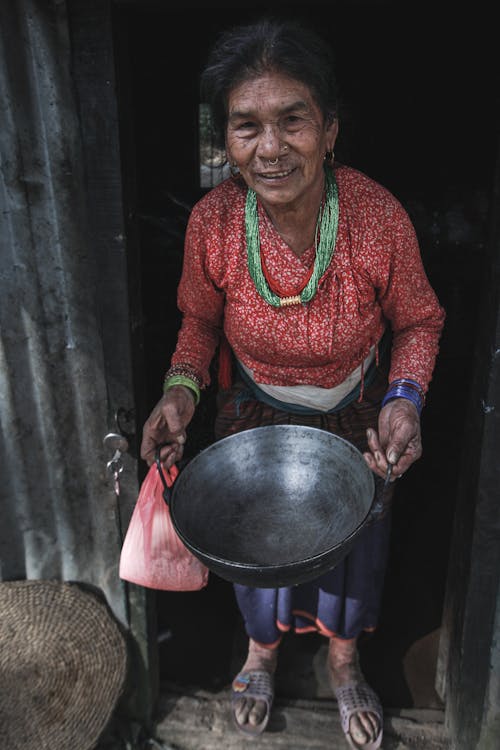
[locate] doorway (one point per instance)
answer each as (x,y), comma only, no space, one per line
(406,92)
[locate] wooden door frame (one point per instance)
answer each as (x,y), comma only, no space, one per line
(111,230)
(468,676)
(469,665)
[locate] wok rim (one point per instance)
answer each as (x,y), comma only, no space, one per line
(285,567)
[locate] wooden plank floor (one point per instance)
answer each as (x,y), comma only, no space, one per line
(200,720)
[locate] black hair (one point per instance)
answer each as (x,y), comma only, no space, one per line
(245,52)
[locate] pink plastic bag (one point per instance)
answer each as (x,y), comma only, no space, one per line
(152,554)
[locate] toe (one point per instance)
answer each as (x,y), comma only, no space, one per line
(364,727)
(358,731)
(257,713)
(242,710)
(372,725)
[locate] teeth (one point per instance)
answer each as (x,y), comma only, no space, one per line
(277,174)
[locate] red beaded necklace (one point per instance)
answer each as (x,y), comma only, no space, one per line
(280,290)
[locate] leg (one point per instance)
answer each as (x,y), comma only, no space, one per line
(343,669)
(249,712)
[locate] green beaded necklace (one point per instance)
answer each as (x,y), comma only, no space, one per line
(326,229)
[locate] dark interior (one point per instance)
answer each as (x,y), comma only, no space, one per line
(417,114)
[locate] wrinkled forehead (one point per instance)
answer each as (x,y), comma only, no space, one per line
(270,94)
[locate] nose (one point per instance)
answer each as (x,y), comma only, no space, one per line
(269,143)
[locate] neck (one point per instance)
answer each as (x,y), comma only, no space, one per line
(296,223)
(327,236)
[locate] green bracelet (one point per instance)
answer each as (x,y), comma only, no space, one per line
(182,380)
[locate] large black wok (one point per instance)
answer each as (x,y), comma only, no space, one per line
(273,506)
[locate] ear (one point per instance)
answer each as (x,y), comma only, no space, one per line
(332,131)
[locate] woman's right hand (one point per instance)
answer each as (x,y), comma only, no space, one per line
(166,426)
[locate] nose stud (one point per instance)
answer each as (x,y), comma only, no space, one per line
(273,162)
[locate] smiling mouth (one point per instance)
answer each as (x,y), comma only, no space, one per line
(275,175)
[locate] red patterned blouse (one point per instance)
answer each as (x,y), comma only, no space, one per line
(375,278)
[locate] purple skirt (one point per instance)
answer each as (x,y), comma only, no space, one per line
(345,601)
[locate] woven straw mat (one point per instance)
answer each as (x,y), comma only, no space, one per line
(62,666)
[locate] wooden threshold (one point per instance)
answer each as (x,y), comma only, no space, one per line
(196,719)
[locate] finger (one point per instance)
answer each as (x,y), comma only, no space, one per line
(403,450)
(173,419)
(373,439)
(170,454)
(394,452)
(399,434)
(170,438)
(148,450)
(404,464)
(370,460)
(376,451)
(156,420)
(149,458)
(403,437)
(152,437)
(166,451)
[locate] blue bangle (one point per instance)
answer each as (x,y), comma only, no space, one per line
(402,391)
(411,383)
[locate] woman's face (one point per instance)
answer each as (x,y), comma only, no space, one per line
(274,117)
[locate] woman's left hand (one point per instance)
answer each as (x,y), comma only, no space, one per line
(398,439)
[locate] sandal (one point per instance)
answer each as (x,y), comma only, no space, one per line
(256,684)
(356,697)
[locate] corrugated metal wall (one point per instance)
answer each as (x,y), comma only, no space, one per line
(58,506)
(65,351)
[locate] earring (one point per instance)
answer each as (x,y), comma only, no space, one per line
(329,157)
(234,169)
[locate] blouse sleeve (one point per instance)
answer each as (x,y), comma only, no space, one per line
(409,303)
(199,300)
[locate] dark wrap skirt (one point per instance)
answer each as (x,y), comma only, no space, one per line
(345,601)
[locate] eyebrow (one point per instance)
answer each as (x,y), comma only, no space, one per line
(294,107)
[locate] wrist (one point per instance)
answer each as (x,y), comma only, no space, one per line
(407,389)
(185,382)
(186,375)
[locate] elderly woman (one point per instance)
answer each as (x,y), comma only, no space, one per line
(311,272)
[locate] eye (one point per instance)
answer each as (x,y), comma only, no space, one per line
(245,130)
(246,126)
(293,122)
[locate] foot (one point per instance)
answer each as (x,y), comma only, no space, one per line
(248,711)
(343,669)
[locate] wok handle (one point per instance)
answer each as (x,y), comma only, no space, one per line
(167,480)
(379,504)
